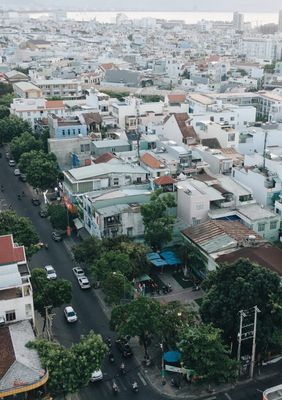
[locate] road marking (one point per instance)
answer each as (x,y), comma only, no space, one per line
(228,396)
(121,384)
(142,379)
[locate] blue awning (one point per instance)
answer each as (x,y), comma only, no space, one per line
(172,356)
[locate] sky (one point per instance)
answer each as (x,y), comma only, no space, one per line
(144,5)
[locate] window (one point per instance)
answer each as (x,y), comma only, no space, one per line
(63,132)
(10,315)
(261,226)
(73,131)
(273,224)
(116,181)
(232,119)
(231,137)
(78,131)
(212,119)
(221,119)
(68,131)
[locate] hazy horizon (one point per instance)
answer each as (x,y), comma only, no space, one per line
(147,5)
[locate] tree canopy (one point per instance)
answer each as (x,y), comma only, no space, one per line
(241,286)
(47,292)
(203,351)
(5,88)
(157,221)
(70,369)
(24,144)
(4,111)
(21,228)
(58,216)
(141,317)
(41,169)
(11,127)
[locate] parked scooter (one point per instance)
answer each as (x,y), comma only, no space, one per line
(135,387)
(109,342)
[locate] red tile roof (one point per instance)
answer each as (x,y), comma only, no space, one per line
(164,180)
(187,130)
(7,351)
(104,158)
(54,104)
(176,98)
(10,253)
(151,161)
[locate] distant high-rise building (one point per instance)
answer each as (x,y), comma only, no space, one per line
(238,21)
(280,22)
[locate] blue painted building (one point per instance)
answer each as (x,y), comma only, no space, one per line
(65,128)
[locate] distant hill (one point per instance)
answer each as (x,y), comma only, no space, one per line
(147,5)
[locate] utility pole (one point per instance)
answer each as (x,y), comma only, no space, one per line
(248,331)
(254,343)
(264,148)
(49,322)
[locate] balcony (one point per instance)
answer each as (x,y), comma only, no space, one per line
(8,294)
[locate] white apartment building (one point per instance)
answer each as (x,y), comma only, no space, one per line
(35,109)
(16,298)
(226,136)
(27,90)
(258,48)
(115,212)
(126,112)
(63,88)
(218,162)
(265,187)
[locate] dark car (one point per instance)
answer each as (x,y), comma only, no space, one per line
(22,177)
(57,236)
(35,201)
(124,348)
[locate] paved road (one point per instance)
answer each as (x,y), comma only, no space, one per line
(89,311)
(91,316)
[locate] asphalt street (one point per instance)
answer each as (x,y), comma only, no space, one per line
(90,314)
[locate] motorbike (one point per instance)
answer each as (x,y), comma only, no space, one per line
(135,387)
(122,369)
(115,388)
(111,357)
(109,343)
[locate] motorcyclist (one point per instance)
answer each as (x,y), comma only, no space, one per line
(135,386)
(122,368)
(115,387)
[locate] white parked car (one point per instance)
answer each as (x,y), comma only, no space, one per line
(12,163)
(51,273)
(17,172)
(96,376)
(78,272)
(70,314)
(84,282)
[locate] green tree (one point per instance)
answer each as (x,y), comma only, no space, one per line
(4,111)
(11,127)
(41,169)
(24,144)
(87,251)
(203,351)
(174,316)
(141,318)
(22,230)
(111,261)
(70,369)
(53,293)
(241,286)
(157,221)
(116,287)
(58,216)
(6,100)
(5,88)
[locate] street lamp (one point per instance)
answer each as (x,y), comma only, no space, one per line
(120,274)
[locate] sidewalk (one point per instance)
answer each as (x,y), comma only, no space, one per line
(153,373)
